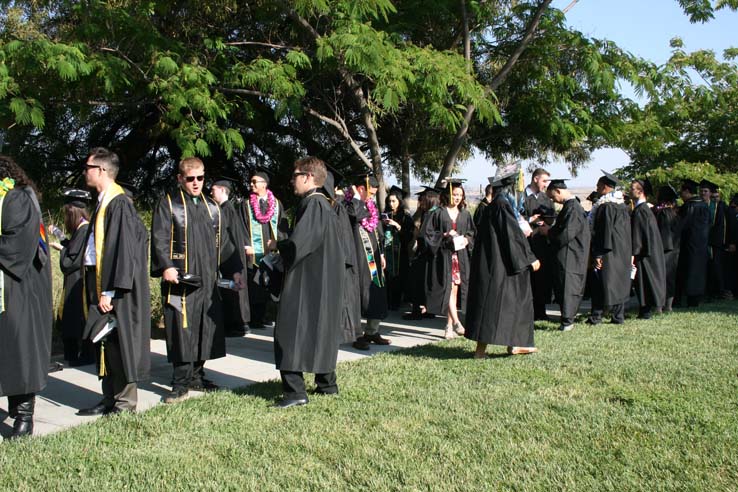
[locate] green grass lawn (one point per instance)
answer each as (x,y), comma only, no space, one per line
(651,405)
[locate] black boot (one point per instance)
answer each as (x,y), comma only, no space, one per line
(21,409)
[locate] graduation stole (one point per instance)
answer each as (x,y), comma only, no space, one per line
(371,261)
(113,190)
(6,185)
(255,231)
(178,238)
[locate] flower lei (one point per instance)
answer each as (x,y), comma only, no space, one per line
(271,207)
(368,223)
(6,185)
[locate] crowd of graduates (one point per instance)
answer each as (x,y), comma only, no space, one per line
(222,261)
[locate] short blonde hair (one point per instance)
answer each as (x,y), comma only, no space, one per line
(190,163)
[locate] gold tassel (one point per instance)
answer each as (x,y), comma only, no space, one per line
(184,311)
(521,181)
(103,371)
(450,193)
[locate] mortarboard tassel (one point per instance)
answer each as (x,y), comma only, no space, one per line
(103,369)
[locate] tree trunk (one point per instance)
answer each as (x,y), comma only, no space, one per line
(458,141)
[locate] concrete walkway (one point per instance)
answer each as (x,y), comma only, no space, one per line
(250,359)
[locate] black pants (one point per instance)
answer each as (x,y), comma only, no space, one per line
(597,293)
(117,390)
(188,373)
(293,384)
(540,284)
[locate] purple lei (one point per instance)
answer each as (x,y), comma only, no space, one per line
(368,223)
(271,207)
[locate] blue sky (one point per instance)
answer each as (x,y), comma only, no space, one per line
(644,28)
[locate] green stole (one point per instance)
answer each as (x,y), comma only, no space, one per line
(255,231)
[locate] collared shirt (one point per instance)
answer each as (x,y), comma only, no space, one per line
(90,253)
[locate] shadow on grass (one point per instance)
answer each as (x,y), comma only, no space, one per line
(442,352)
(270,390)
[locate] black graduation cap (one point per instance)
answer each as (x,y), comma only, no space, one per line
(263,173)
(646,185)
(397,191)
(338,177)
(76,197)
(227,182)
(329,186)
(609,179)
(367,180)
(592,197)
(709,184)
(427,189)
(507,177)
(450,183)
(558,184)
(691,185)
(98,324)
(667,194)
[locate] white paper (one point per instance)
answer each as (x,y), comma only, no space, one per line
(109,326)
(459,243)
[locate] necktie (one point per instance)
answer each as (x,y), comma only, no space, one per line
(263,206)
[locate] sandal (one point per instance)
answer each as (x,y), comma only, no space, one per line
(458,329)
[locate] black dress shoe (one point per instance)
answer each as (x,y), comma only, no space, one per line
(22,427)
(176,395)
(377,338)
(205,385)
(361,343)
(291,402)
(99,409)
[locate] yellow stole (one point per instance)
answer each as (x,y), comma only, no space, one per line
(113,190)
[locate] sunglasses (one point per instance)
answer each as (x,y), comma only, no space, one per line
(257,181)
(190,179)
(92,166)
(299,173)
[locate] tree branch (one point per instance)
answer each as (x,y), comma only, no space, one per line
(256,43)
(341,126)
(125,57)
(458,141)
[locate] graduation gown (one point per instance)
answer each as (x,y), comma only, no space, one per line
(570,240)
(124,270)
(203,337)
(418,281)
(479,212)
(500,299)
(438,289)
(670,229)
(308,329)
(397,247)
(351,313)
(72,315)
(612,241)
(373,293)
(236,310)
(717,241)
(648,250)
(25,325)
(693,244)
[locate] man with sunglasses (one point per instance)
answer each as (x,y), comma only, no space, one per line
(116,283)
(262,215)
(189,243)
(308,327)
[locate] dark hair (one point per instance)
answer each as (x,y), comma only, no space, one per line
(73,215)
(431,200)
(10,169)
(314,166)
(445,199)
(108,158)
(488,189)
(400,208)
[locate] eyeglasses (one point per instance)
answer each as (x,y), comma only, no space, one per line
(92,166)
(190,179)
(257,181)
(299,173)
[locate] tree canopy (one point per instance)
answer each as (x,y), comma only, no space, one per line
(410,86)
